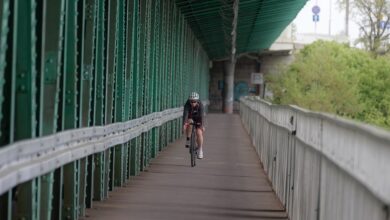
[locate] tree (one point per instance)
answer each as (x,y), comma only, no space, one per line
(332,77)
(373,18)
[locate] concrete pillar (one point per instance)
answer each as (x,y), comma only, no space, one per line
(229,86)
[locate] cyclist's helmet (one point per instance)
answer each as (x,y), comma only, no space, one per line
(194,96)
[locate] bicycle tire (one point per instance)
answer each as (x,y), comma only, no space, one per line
(192,148)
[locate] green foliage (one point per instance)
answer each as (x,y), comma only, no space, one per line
(332,77)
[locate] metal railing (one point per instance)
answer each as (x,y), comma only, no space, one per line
(321,166)
(25,160)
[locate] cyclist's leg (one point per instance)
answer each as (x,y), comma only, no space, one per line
(187,131)
(199,134)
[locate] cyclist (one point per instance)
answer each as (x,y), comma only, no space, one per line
(193,110)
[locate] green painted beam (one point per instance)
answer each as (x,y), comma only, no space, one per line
(99,96)
(23,92)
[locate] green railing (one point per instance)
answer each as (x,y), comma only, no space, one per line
(69,68)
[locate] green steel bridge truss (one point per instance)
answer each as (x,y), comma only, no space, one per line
(259,23)
(72,64)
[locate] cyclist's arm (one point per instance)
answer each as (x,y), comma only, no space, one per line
(185,113)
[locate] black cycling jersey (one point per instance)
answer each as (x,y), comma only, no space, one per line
(194,113)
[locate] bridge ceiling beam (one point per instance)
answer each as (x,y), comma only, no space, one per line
(260,22)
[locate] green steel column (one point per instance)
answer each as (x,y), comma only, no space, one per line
(69,109)
(110,85)
(86,36)
(160,71)
(6,205)
(4,30)
(49,55)
(172,72)
(166,87)
(23,93)
(120,89)
(176,82)
(145,67)
(99,97)
(83,164)
(126,96)
(135,78)
(141,85)
(141,82)
(170,66)
(85,33)
(6,198)
(147,77)
(166,69)
(129,71)
(182,69)
(159,22)
(154,52)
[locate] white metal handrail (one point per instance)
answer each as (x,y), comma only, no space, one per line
(25,160)
(352,152)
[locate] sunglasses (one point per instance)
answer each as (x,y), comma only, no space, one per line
(193,101)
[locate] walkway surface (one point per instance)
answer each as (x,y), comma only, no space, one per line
(229,183)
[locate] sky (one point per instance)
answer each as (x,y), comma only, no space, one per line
(328,9)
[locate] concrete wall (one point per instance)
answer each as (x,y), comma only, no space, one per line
(269,64)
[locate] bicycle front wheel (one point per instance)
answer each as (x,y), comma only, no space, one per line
(193,149)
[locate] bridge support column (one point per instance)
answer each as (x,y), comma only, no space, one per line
(229,86)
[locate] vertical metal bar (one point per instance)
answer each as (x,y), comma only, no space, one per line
(110,59)
(86,18)
(119,88)
(141,84)
(135,79)
(147,77)
(86,58)
(157,70)
(110,83)
(161,70)
(57,194)
(69,115)
(6,205)
(83,164)
(6,198)
(4,13)
(71,185)
(49,55)
(128,75)
(23,92)
(99,96)
(90,183)
(153,84)
(164,69)
(175,80)
(69,108)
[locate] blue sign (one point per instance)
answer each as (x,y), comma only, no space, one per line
(316,18)
(316,9)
